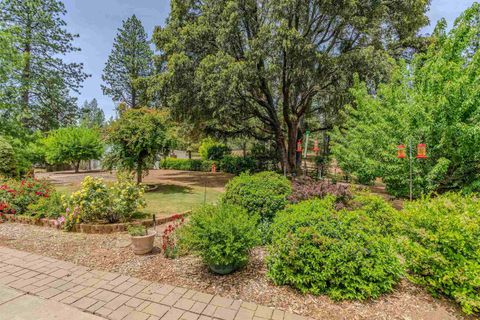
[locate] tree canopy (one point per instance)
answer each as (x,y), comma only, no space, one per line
(272,69)
(130,60)
(91,115)
(43,79)
(434,100)
(72,145)
(136,139)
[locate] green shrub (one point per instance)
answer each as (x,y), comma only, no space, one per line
(7,159)
(442,246)
(50,207)
(237,165)
(222,235)
(136,230)
(343,254)
(379,211)
(186,164)
(263,193)
(212,150)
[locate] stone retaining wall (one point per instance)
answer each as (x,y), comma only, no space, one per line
(91,228)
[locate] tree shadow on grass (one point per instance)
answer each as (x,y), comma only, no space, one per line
(168,188)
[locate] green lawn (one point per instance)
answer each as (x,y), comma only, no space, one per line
(169,199)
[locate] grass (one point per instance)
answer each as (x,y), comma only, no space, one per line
(168,199)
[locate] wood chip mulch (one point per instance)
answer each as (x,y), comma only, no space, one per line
(111,252)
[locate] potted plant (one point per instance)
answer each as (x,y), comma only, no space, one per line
(142,239)
(222,235)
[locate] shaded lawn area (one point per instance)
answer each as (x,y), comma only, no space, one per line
(168,199)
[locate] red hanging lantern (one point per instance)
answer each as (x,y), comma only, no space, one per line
(299,146)
(316,149)
(401,154)
(421,151)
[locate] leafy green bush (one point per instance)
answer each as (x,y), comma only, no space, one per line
(379,211)
(186,164)
(237,165)
(222,235)
(50,207)
(263,193)
(96,201)
(136,230)
(343,254)
(212,150)
(7,159)
(442,246)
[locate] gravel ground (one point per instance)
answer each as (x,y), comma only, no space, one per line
(112,252)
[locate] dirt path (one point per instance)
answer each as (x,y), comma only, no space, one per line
(216,181)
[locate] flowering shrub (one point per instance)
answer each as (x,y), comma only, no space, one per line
(46,207)
(16,196)
(70,219)
(307,188)
(127,198)
(95,201)
(170,237)
(92,201)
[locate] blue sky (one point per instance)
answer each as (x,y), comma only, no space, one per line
(97,21)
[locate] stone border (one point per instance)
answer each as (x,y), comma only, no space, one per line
(91,228)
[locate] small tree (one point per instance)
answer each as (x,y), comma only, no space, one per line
(72,145)
(136,138)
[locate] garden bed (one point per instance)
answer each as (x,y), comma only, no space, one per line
(112,252)
(90,228)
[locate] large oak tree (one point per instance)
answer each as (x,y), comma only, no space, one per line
(270,69)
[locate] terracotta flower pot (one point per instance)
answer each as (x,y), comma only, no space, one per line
(143,244)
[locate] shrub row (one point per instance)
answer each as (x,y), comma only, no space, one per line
(230,164)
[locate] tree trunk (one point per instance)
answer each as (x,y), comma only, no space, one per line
(26,72)
(139,173)
(77,167)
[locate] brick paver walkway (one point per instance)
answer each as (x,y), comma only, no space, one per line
(115,296)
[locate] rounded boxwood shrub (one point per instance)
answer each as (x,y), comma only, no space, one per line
(222,235)
(263,193)
(343,254)
(442,246)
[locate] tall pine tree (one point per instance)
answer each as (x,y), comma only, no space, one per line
(130,60)
(43,77)
(91,115)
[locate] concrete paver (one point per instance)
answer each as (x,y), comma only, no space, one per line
(78,293)
(21,306)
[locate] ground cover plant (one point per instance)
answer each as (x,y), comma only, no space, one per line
(343,254)
(442,246)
